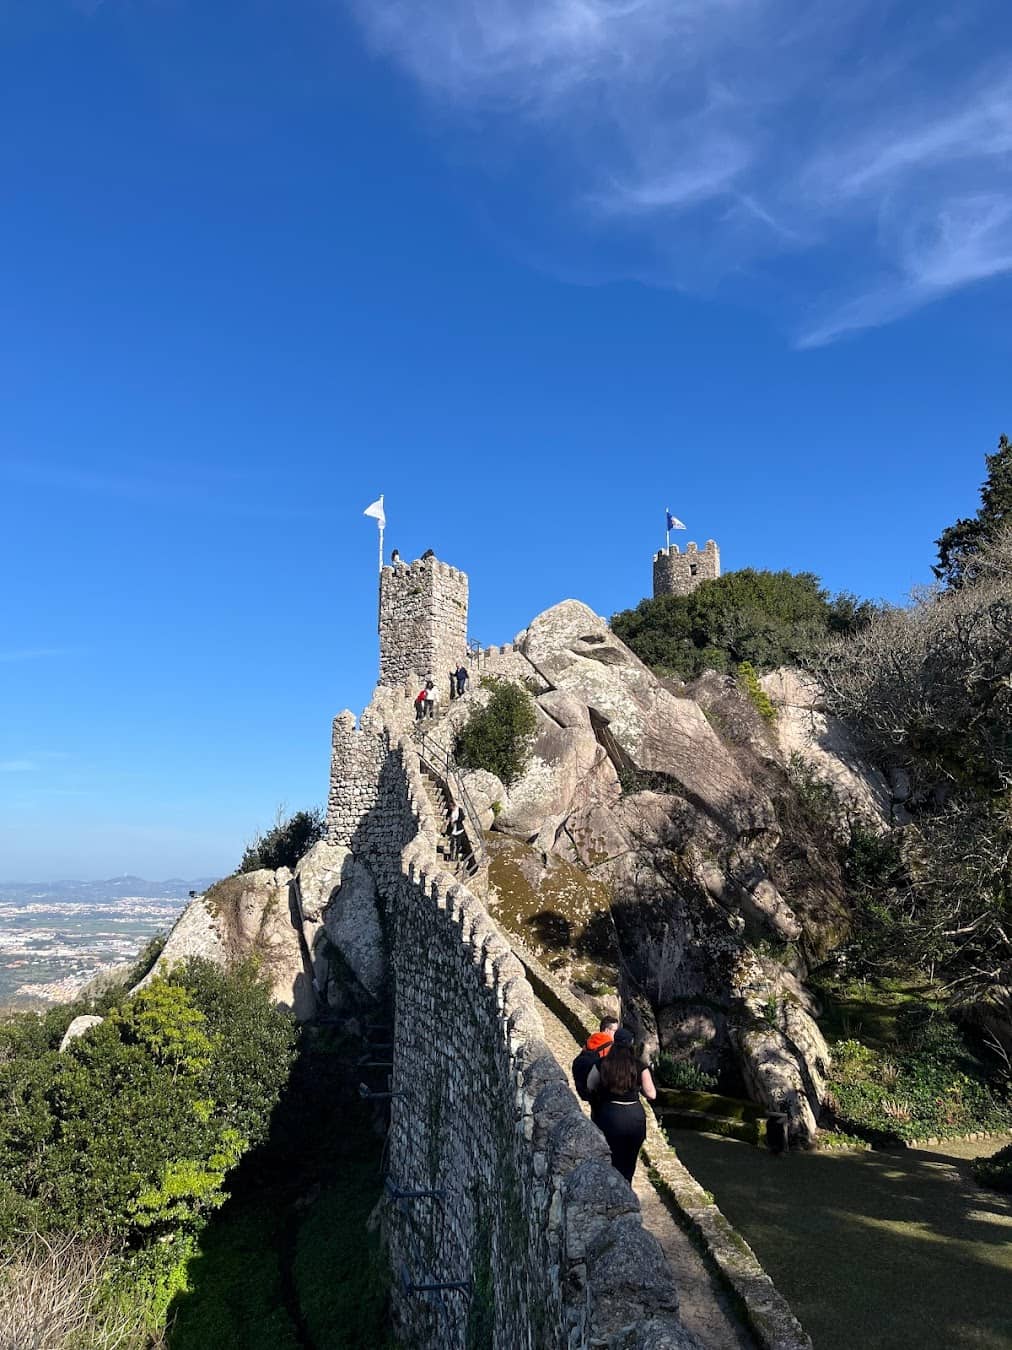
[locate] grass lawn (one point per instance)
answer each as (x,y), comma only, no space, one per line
(287,1263)
(236,1298)
(895,1251)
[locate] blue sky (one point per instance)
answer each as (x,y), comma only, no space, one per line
(535,269)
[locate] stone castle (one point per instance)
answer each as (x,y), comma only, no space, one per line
(678,573)
(505,1220)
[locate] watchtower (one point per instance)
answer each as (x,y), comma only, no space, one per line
(422,620)
(678,573)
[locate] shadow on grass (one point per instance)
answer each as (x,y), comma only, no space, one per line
(287,1263)
(891,1250)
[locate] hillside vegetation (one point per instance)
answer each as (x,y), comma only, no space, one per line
(115,1150)
(767,619)
(926,692)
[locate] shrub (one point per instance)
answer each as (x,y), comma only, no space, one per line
(819,802)
(258,1041)
(285,843)
(683,1075)
(748,678)
(132,1129)
(768,619)
(931,1085)
(872,860)
(995,1171)
(133,1143)
(498,737)
(53,1294)
(962,546)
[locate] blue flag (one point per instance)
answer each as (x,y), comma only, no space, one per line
(674,523)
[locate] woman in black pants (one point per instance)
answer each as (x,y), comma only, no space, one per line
(615,1083)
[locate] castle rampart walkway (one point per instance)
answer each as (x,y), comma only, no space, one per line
(702,1305)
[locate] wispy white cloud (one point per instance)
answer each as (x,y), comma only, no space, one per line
(17,766)
(862,141)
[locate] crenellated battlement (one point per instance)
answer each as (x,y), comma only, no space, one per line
(678,573)
(422,620)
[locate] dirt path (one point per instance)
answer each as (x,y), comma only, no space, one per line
(705,1308)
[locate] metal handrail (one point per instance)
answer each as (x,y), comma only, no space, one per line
(443,763)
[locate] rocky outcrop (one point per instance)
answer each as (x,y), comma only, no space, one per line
(351,921)
(783,1055)
(658,732)
(630,785)
(250,914)
(195,933)
(487,794)
(313,931)
(823,743)
(567,769)
(78,1027)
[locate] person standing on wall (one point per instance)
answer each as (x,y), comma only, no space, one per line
(615,1084)
(461,677)
(420,705)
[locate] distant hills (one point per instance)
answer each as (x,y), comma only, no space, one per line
(97,892)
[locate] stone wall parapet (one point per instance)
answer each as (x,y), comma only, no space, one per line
(534,1216)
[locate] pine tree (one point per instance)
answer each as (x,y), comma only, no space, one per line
(960,544)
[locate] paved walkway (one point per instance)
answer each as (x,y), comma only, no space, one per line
(704,1306)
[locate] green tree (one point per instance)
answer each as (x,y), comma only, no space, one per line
(960,545)
(285,843)
(766,619)
(498,737)
(246,1081)
(928,689)
(132,1129)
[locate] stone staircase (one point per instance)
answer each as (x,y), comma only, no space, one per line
(466,866)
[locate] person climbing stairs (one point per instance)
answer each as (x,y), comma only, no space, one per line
(464,865)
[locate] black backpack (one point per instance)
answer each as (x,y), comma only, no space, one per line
(582,1066)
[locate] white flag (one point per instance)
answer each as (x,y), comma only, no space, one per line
(377,512)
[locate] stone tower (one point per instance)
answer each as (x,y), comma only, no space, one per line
(422,621)
(677,573)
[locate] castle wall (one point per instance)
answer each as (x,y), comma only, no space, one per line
(678,573)
(423,621)
(354,772)
(531,1219)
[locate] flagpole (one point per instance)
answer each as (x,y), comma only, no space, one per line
(667,532)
